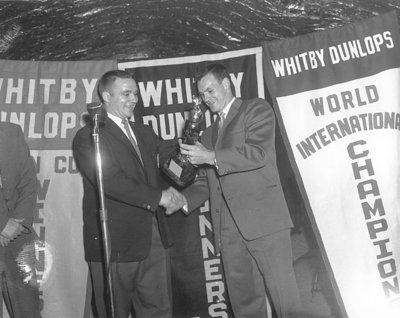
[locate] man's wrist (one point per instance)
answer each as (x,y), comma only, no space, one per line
(164,198)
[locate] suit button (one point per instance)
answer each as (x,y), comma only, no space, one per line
(217,211)
(148,207)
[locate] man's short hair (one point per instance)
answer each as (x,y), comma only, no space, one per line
(108,78)
(218,70)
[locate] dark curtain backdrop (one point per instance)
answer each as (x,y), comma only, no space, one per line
(140,29)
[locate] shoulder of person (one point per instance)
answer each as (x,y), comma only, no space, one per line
(255,101)
(144,128)
(10,128)
(83,133)
(251,104)
(84,129)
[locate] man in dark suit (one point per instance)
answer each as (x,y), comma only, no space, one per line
(18,192)
(138,231)
(248,209)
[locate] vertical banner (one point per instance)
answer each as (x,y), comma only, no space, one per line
(337,100)
(166,89)
(47,100)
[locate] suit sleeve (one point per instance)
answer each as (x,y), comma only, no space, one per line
(118,185)
(26,186)
(258,146)
(198,192)
(166,149)
(3,212)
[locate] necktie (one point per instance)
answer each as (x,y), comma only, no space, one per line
(221,122)
(125,122)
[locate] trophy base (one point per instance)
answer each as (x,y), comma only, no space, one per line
(182,173)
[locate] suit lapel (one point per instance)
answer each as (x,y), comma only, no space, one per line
(120,135)
(231,114)
(149,161)
(140,143)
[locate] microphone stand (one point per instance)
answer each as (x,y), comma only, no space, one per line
(103,214)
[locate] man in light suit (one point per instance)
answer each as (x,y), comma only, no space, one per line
(133,198)
(250,218)
(18,192)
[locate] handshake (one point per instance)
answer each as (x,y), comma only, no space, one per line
(172,201)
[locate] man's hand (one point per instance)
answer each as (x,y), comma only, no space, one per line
(198,154)
(172,200)
(4,241)
(10,232)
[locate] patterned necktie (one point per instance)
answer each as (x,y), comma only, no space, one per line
(125,122)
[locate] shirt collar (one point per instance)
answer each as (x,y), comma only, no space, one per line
(227,108)
(115,119)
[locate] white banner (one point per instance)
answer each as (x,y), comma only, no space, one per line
(166,88)
(47,99)
(341,116)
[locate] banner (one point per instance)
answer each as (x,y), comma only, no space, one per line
(47,100)
(337,100)
(166,89)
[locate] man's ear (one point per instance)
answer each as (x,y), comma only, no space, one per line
(106,96)
(226,83)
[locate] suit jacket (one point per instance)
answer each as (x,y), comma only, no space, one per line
(132,191)
(18,177)
(18,194)
(247,176)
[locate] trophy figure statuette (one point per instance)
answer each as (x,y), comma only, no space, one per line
(178,167)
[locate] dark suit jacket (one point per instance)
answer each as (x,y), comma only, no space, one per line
(132,192)
(17,195)
(18,177)
(247,174)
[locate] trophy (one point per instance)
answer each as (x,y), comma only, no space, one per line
(178,167)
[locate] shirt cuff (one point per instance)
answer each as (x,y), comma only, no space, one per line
(215,163)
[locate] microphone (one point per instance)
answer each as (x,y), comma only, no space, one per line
(95,114)
(96,111)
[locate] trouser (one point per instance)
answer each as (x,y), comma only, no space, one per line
(19,286)
(256,268)
(143,285)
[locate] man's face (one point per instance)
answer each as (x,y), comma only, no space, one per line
(121,97)
(214,93)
